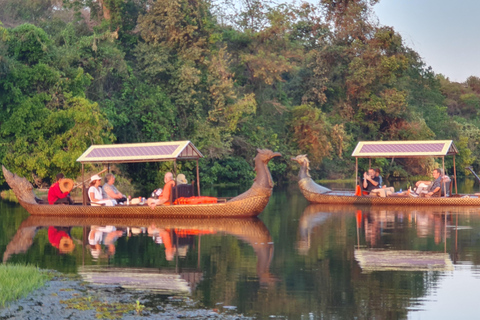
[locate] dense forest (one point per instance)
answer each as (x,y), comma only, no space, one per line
(231,76)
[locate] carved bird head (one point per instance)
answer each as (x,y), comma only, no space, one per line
(266,155)
(302,160)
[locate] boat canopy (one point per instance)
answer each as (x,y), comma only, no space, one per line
(141,152)
(404,149)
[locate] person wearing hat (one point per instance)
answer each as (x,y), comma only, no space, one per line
(60,239)
(181,179)
(59,192)
(95,195)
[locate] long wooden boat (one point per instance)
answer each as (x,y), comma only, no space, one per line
(248,204)
(316,193)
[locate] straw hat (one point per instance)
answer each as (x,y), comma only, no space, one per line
(95,177)
(181,179)
(66,245)
(66,185)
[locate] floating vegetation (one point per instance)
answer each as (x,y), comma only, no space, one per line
(105,310)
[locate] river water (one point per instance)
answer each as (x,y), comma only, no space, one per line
(297,261)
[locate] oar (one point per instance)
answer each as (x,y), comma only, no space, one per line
(471,170)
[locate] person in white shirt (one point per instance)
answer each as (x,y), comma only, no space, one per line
(95,194)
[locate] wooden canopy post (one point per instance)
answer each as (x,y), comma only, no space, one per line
(455,174)
(198,180)
(356,172)
(443,181)
(84,200)
(175,177)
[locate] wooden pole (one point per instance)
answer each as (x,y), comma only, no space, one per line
(455,174)
(443,181)
(175,177)
(198,180)
(356,172)
(84,200)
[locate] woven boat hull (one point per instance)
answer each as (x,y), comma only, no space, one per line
(351,199)
(250,207)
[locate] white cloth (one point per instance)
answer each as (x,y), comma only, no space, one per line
(96,234)
(99,198)
(383,192)
(422,188)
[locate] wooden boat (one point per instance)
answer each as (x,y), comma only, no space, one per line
(316,193)
(248,204)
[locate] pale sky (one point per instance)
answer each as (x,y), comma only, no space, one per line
(445,33)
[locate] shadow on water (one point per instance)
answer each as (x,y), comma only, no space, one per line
(297,260)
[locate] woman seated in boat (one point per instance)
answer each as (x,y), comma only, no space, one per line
(95,194)
(164,197)
(110,191)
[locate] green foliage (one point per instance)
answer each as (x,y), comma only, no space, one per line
(17,281)
(293,78)
(28,44)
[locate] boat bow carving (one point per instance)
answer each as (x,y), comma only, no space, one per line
(308,187)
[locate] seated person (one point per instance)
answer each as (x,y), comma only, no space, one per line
(380,180)
(95,194)
(110,191)
(164,197)
(430,188)
(181,179)
(371,184)
(55,194)
(60,238)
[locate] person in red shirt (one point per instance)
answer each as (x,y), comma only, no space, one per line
(164,197)
(56,196)
(60,239)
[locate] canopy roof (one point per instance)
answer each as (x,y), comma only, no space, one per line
(404,149)
(141,152)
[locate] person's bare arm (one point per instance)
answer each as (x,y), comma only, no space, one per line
(113,195)
(424,182)
(431,193)
(91,195)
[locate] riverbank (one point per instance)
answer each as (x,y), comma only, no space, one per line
(68,297)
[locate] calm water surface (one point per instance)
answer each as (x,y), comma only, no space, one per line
(297,261)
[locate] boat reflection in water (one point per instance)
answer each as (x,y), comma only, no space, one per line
(383,235)
(100,236)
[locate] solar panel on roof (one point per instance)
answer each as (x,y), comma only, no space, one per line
(404,148)
(141,152)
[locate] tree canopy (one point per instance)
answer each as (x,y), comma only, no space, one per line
(230,76)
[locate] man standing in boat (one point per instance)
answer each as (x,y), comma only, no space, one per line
(58,196)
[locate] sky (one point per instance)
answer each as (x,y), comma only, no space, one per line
(445,33)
